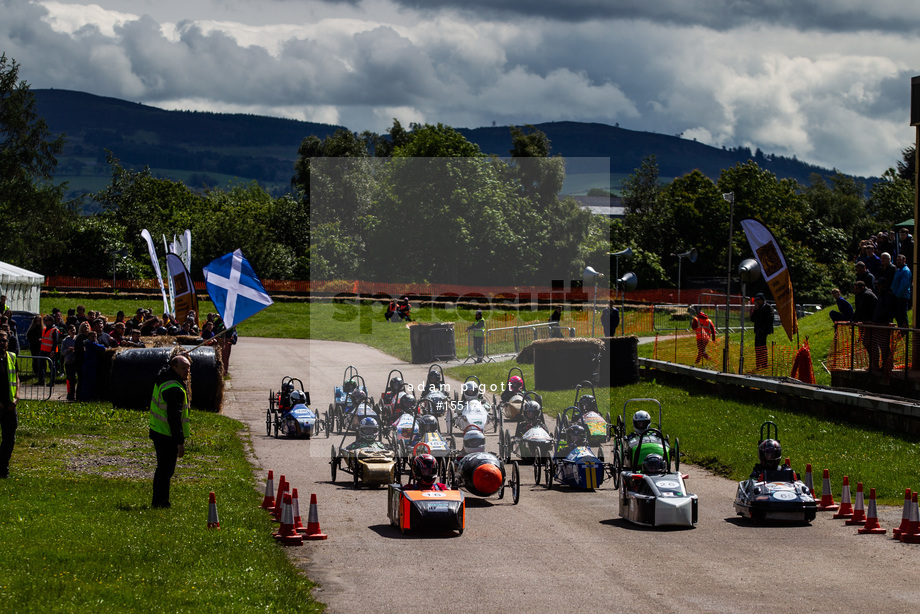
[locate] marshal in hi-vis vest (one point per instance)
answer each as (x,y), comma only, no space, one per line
(158,420)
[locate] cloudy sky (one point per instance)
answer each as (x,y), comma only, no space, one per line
(825,80)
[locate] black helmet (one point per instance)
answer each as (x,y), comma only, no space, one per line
(428,424)
(358,397)
(587,403)
(531,411)
(298,397)
(576,434)
(641,421)
(770,452)
(367,428)
(425,469)
(396,384)
(407,403)
(654,463)
(287,387)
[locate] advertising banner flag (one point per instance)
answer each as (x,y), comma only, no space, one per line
(775,272)
(186,299)
(234,288)
(156,266)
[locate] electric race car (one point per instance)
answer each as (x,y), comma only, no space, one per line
(574,463)
(470,409)
(481,473)
(424,504)
(627,455)
(774,491)
(369,460)
(587,413)
(653,494)
(341,415)
(289,412)
(531,441)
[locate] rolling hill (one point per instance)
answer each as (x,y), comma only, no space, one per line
(208,149)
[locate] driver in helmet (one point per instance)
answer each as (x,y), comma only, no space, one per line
(433,382)
(575,435)
(368,431)
(296,398)
(533,416)
(395,387)
(770,453)
(515,387)
(284,402)
(651,442)
(474,441)
(654,464)
(425,473)
(470,392)
(407,403)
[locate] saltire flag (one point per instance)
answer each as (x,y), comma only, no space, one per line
(156,266)
(775,272)
(234,288)
(186,299)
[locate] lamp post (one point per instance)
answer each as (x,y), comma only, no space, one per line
(629,281)
(748,271)
(590,272)
(116,252)
(730,197)
(690,255)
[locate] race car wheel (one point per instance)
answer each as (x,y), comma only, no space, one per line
(449,478)
(268,422)
(334,464)
(537,466)
(356,471)
(508,447)
(676,454)
(271,400)
(515,483)
(326,426)
(617,464)
(608,426)
(277,427)
(549,472)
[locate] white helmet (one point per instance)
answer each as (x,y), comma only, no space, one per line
(474,441)
(641,421)
(470,391)
(298,398)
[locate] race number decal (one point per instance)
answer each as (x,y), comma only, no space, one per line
(784,495)
(433,494)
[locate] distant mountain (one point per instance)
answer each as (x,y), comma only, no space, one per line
(207,149)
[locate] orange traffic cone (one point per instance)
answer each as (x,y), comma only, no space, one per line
(859,510)
(809,481)
(298,522)
(313,531)
(872,526)
(279,502)
(827,496)
(268,501)
(284,487)
(905,516)
(912,534)
(846,508)
(213,522)
(286,533)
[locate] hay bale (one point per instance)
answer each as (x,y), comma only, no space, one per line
(134,371)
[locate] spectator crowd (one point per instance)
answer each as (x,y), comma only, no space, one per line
(75,342)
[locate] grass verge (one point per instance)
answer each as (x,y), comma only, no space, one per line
(79,534)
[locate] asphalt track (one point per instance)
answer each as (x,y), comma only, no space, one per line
(559,550)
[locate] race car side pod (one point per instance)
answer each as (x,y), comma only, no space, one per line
(298,522)
(827,496)
(859,511)
(905,516)
(313,531)
(809,482)
(268,501)
(286,533)
(872,526)
(912,535)
(213,522)
(846,508)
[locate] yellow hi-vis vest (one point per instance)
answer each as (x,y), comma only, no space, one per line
(158,419)
(11,372)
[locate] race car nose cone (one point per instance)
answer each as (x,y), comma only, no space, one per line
(487,478)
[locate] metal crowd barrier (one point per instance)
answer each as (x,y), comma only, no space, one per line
(29,369)
(513,339)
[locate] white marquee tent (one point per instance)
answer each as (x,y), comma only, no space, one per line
(21,287)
